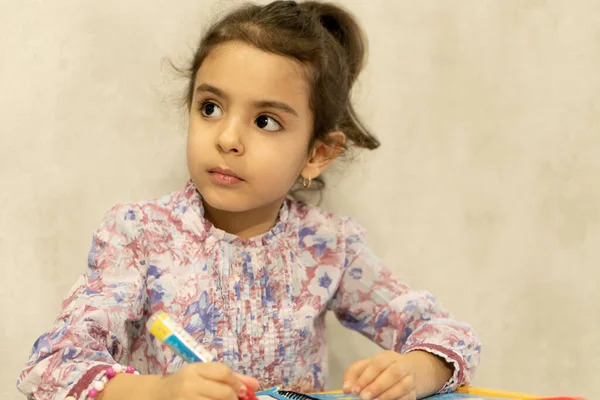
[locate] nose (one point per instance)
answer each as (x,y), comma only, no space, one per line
(229,139)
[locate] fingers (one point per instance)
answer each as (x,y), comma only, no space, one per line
(352,373)
(214,390)
(391,385)
(219,377)
(252,383)
(383,377)
(370,374)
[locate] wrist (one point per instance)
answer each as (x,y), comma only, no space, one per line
(154,387)
(133,387)
(430,371)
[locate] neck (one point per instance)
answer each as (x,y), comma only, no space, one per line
(244,224)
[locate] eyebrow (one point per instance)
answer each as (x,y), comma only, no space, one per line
(206,88)
(275,104)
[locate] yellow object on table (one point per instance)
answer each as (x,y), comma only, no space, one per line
(467,390)
(497,393)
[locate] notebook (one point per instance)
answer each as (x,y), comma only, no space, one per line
(278,394)
(463,393)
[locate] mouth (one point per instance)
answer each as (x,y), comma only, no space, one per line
(224,176)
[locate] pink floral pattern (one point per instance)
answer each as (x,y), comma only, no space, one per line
(258,304)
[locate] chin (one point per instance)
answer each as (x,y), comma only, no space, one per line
(225,200)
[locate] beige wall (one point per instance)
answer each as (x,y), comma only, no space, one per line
(486,190)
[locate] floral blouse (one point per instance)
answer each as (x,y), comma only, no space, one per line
(259,305)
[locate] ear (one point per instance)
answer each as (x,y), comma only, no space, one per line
(323,154)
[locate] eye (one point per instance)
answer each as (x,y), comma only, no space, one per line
(267,123)
(210,109)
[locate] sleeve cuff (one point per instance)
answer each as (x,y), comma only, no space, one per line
(80,388)
(458,376)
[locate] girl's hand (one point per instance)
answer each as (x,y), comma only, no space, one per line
(200,381)
(393,376)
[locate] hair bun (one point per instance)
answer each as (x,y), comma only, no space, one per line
(345,30)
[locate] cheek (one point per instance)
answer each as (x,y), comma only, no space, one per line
(196,141)
(192,147)
(285,164)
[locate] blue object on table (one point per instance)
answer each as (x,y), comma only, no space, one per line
(279,394)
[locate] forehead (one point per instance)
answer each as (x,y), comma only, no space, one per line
(246,72)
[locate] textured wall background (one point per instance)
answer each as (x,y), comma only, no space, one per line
(486,190)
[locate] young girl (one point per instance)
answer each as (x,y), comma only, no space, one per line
(249,271)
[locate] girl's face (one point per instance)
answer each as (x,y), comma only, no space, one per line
(250,128)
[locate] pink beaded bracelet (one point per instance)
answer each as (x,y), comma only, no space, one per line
(98,385)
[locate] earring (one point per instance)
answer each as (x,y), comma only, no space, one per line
(306,182)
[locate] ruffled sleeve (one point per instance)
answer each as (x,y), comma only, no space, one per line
(370,300)
(91,331)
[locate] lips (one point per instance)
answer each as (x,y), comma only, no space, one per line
(224,176)
(224,172)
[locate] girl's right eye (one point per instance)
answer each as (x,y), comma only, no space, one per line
(210,109)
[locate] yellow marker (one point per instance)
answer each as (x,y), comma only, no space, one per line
(168,331)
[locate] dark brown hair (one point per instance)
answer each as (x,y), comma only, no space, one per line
(324,37)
